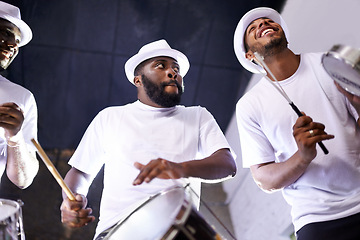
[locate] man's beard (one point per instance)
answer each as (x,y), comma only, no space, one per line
(271,48)
(158,95)
(4,65)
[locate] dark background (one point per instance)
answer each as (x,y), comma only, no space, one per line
(74,66)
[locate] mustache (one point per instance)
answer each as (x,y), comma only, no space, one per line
(170,83)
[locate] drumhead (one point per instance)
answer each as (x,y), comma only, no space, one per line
(342,64)
(152,219)
(8,208)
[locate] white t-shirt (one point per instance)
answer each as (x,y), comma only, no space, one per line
(11,92)
(120,136)
(330,187)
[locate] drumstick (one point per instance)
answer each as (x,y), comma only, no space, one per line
(53,171)
(283,93)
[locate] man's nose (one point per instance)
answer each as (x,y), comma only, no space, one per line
(172,74)
(263,22)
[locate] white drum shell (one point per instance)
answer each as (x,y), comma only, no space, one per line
(10,217)
(153,219)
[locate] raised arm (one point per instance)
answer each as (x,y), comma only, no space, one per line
(274,176)
(22,165)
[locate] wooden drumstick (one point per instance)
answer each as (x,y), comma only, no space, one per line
(53,171)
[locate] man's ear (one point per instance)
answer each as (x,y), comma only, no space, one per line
(137,81)
(250,55)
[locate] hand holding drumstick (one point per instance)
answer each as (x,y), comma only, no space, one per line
(73,211)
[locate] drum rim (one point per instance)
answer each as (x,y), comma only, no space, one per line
(14,214)
(337,51)
(343,57)
(11,203)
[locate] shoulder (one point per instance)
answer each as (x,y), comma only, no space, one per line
(195,114)
(250,97)
(255,102)
(13,92)
(312,56)
(13,87)
(112,110)
(192,109)
(113,113)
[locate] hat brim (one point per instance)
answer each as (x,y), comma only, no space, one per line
(25,30)
(135,60)
(244,22)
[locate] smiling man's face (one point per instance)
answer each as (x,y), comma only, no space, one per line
(10,37)
(264,36)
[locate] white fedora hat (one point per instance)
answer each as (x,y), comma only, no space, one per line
(12,14)
(156,49)
(244,22)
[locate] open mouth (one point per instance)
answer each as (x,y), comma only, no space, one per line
(265,32)
(6,54)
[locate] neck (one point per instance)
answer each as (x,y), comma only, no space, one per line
(283,64)
(146,100)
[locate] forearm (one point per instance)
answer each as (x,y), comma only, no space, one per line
(78,182)
(219,165)
(275,176)
(22,165)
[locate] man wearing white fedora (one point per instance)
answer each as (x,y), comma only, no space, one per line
(146,146)
(280,148)
(18,110)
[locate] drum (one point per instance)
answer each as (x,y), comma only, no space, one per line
(11,220)
(167,215)
(343,64)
